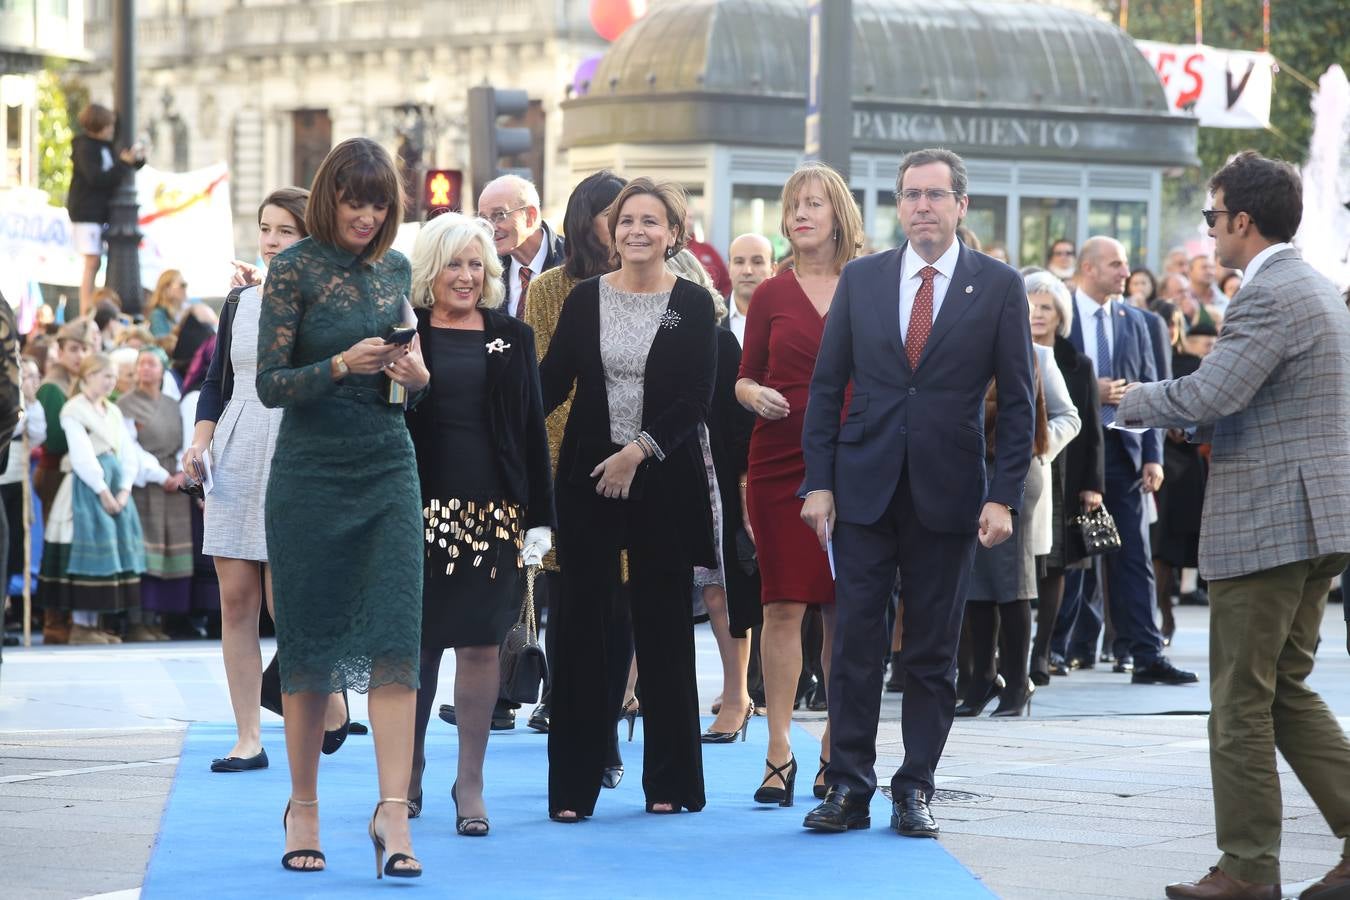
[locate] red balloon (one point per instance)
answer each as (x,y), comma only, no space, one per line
(611,18)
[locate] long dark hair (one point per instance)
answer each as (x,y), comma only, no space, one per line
(586,256)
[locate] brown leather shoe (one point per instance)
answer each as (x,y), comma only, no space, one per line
(1335,885)
(1219,885)
(56,626)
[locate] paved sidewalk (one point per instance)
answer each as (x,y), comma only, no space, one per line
(1103,793)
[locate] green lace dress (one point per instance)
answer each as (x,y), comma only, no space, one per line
(343,513)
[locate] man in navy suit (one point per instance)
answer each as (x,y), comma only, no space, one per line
(1118,339)
(919,331)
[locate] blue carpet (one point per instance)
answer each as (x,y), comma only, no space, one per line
(221,834)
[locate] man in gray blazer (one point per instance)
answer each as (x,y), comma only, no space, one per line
(1273,399)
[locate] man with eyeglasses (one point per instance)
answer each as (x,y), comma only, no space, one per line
(525,242)
(901,483)
(1273,400)
(1061,259)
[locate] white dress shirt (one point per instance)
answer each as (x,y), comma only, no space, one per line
(536,269)
(1085,308)
(1259,260)
(736,322)
(910,281)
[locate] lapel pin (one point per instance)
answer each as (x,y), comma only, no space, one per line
(497,346)
(970,289)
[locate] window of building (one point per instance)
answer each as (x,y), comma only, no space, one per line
(1045,220)
(987,217)
(885,232)
(1124,220)
(312,139)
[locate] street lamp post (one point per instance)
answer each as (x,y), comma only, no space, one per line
(124,235)
(829,94)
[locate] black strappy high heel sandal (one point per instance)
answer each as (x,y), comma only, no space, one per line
(464,823)
(630,713)
(787,773)
(391,868)
(820,790)
(300,854)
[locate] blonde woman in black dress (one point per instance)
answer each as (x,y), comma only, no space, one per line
(487,491)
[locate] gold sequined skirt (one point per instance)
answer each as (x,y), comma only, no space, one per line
(472,586)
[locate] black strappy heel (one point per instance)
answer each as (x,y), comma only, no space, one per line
(299,854)
(464,823)
(787,773)
(391,868)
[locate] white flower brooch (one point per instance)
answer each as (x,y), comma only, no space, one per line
(670,318)
(497,346)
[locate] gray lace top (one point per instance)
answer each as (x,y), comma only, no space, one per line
(628,323)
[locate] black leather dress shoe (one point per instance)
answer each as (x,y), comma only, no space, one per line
(240,763)
(1077,662)
(1162,672)
(539,719)
(844,809)
(502,719)
(911,817)
(1123,665)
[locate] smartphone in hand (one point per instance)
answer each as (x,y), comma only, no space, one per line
(401,334)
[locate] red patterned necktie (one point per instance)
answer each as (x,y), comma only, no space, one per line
(920,318)
(525,276)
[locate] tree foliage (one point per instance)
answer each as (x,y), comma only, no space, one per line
(54,137)
(1305,35)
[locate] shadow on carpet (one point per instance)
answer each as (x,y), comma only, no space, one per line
(221,833)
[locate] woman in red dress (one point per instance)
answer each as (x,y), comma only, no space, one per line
(782,337)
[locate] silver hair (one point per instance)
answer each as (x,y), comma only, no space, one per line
(1045,283)
(686,265)
(440,241)
(524,188)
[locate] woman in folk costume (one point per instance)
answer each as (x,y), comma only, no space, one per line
(94,552)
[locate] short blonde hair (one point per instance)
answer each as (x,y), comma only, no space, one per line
(440,241)
(848,223)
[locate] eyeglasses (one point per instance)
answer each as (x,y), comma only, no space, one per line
(501,215)
(1062,253)
(1212,215)
(934,195)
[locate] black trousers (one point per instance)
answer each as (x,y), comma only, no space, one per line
(584,713)
(934,571)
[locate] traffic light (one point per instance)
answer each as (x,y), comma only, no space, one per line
(441,190)
(489,140)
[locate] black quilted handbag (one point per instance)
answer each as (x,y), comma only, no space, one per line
(523,665)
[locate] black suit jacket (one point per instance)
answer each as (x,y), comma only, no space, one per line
(555,258)
(668,511)
(930,419)
(515,417)
(1134,358)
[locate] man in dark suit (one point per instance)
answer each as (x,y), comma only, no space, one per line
(525,242)
(919,332)
(1118,338)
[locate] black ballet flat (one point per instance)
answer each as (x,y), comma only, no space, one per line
(333,740)
(240,763)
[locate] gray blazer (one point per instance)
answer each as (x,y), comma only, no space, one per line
(1273,398)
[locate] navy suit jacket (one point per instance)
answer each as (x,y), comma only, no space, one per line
(1134,359)
(931,418)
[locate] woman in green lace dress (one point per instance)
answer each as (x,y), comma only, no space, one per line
(343,512)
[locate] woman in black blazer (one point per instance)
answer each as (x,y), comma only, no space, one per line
(487,491)
(1078,474)
(640,346)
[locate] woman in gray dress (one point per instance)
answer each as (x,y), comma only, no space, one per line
(1004,578)
(241,434)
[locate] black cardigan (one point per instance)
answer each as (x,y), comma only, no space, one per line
(1084,461)
(218,386)
(515,417)
(669,512)
(91,185)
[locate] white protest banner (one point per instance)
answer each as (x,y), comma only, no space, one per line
(187,224)
(1221,88)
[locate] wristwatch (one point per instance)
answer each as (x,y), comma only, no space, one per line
(342,369)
